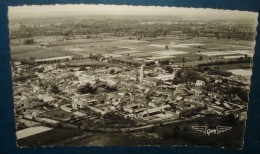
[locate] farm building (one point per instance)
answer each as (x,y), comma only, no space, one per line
(152,81)
(79,104)
(200,83)
(154,111)
(53,60)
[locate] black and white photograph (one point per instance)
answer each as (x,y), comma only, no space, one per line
(122,75)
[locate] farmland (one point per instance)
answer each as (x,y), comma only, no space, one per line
(122,47)
(48,137)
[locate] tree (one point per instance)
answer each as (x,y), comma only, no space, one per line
(87,89)
(185,129)
(82,68)
(164,62)
(148,98)
(112,71)
(243,94)
(32,58)
(91,56)
(200,58)
(29,41)
(55,89)
(169,69)
(112,88)
(183,59)
(230,120)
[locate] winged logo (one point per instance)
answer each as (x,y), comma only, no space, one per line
(221,129)
(202,129)
(208,131)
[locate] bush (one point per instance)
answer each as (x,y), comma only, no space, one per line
(87,89)
(55,89)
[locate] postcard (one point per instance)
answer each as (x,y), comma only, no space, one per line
(121,75)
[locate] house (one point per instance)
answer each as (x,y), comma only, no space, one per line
(131,107)
(108,81)
(66,107)
(200,83)
(17,63)
(44,44)
(79,104)
(227,106)
(46,98)
(52,60)
(158,69)
(178,98)
(189,110)
(218,81)
(113,70)
(35,88)
(217,102)
(154,111)
(152,81)
(31,114)
(197,92)
(218,108)
(166,77)
(131,116)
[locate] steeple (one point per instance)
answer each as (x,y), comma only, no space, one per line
(141,73)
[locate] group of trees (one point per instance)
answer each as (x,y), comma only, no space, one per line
(93,89)
(28,41)
(55,89)
(242,93)
(192,111)
(95,56)
(164,62)
(212,71)
(112,119)
(219,72)
(23,78)
(187,75)
(245,59)
(229,120)
(169,69)
(87,88)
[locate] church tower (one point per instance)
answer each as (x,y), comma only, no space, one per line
(141,73)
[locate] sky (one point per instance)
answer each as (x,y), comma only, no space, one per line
(48,10)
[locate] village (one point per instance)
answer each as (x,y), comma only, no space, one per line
(63,93)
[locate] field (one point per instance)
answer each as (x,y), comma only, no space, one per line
(90,63)
(233,138)
(31,131)
(169,52)
(49,137)
(26,51)
(148,47)
(241,72)
(233,52)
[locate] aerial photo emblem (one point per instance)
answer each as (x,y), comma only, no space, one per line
(208,131)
